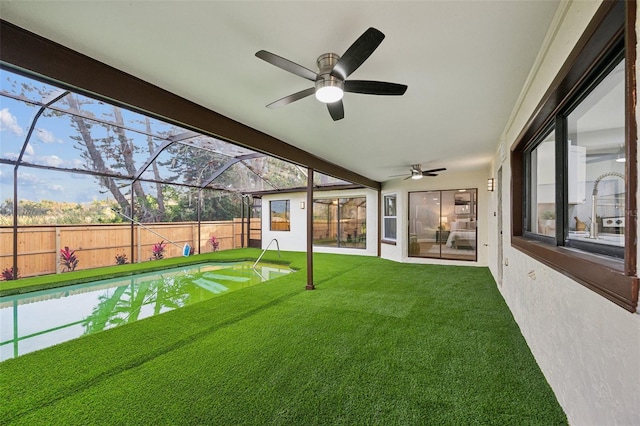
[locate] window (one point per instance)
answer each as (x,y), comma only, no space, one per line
(280,215)
(389,219)
(595,172)
(340,222)
(572,202)
(442,224)
(590,134)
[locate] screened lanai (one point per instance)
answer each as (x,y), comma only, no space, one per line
(68,159)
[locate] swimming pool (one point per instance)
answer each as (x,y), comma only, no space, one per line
(36,320)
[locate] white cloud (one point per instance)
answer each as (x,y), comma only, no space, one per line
(76,163)
(44,185)
(28,179)
(45,136)
(11,155)
(50,160)
(9,122)
(29,154)
(37,184)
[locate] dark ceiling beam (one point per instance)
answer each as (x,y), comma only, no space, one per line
(29,52)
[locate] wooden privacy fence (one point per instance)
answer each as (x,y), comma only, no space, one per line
(97,245)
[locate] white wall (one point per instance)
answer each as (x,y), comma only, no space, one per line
(587,347)
(296,238)
(446,180)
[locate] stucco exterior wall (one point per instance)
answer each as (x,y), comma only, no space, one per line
(587,347)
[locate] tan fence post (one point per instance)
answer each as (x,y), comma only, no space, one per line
(194,238)
(138,244)
(58,268)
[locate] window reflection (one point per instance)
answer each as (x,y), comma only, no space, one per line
(280,215)
(543,184)
(389,218)
(596,206)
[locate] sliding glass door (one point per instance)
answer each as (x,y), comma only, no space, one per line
(442,224)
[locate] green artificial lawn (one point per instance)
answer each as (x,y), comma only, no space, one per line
(377,342)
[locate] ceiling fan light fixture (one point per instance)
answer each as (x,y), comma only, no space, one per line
(416,175)
(329,94)
(329,89)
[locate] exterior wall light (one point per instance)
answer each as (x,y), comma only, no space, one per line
(490,184)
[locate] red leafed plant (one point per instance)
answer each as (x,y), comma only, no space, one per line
(215,244)
(158,250)
(8,275)
(121,259)
(68,259)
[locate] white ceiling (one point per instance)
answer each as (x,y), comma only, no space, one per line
(465,63)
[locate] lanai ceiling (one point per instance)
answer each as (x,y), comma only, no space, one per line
(465,63)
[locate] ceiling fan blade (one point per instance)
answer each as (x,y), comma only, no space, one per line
(357,53)
(429,174)
(425,172)
(336,109)
(292,98)
(374,87)
(287,65)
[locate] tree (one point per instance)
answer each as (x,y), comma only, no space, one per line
(109,146)
(114,154)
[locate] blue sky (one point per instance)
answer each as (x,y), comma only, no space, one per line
(50,145)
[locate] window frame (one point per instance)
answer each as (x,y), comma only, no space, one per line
(356,239)
(384,238)
(287,212)
(527,218)
(613,24)
(472,213)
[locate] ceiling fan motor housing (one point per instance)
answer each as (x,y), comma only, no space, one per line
(325,80)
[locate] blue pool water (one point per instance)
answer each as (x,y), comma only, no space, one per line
(36,320)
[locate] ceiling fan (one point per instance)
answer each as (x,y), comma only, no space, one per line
(417,172)
(331,80)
